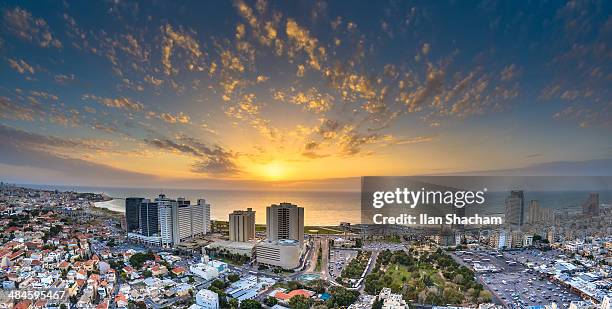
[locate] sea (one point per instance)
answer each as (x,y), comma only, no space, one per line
(321,208)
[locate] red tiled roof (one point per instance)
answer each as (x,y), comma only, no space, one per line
(288,296)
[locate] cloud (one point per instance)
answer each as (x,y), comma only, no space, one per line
(302,40)
(510,72)
(597,167)
(64,78)
(311,100)
(179,39)
(170,118)
(20,66)
(108,128)
(25,139)
(121,102)
(425,49)
(579,73)
(212,160)
(413,140)
(586,116)
(23,152)
(11,110)
(23,25)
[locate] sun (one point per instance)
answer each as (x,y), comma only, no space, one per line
(274,171)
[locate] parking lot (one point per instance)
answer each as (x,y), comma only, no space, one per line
(535,257)
(338,259)
(526,289)
(513,284)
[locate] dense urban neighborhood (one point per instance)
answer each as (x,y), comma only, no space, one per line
(59,250)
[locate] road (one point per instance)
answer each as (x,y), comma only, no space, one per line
(325,259)
(314,253)
(373,258)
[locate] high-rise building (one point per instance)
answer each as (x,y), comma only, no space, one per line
(149,218)
(206,214)
(189,221)
(132,213)
(534,212)
(166,222)
(591,205)
(285,221)
(515,208)
(242,225)
(165,206)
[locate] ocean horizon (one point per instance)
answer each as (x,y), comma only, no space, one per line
(321,208)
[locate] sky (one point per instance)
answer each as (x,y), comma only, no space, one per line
(301,94)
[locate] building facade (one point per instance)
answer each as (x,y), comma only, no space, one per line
(242,225)
(132,213)
(283,253)
(591,205)
(166,221)
(285,221)
(189,220)
(207,299)
(149,218)
(515,208)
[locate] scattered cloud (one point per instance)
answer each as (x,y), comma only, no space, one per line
(121,102)
(170,118)
(20,66)
(179,38)
(212,160)
(22,24)
(64,78)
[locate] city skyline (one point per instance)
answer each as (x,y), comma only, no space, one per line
(257,94)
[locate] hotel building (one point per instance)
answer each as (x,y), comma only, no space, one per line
(285,221)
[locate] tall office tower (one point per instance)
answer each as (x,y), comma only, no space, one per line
(534,214)
(206,214)
(515,207)
(149,218)
(242,225)
(591,205)
(165,206)
(132,213)
(285,221)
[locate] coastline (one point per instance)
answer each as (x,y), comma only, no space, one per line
(103,207)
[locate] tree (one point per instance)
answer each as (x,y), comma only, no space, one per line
(233,303)
(147,273)
(485,296)
(299,302)
(378,304)
(233,277)
(341,297)
(218,284)
(250,304)
(270,301)
(138,259)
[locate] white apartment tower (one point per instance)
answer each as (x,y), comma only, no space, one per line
(285,221)
(242,225)
(189,221)
(165,206)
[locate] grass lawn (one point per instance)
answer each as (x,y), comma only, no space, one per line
(321,230)
(399,272)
